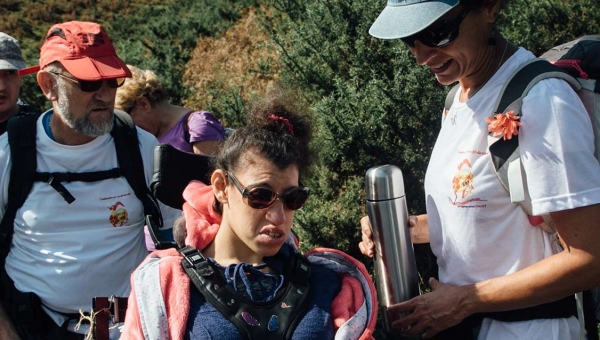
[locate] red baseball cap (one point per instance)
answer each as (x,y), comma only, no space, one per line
(84,49)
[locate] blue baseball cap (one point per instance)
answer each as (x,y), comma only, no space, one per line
(403,18)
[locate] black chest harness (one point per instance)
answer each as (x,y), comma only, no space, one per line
(22,141)
(275,319)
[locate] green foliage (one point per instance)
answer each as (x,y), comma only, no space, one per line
(163,37)
(540,24)
(152,34)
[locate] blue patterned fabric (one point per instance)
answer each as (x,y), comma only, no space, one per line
(205,322)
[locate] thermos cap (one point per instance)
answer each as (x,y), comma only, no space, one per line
(384,182)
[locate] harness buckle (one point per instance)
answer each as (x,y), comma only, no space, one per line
(195,259)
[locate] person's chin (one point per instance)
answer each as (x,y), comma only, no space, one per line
(444,74)
(271,247)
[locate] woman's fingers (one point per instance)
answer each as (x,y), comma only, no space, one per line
(366,246)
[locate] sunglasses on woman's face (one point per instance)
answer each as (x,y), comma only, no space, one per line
(92,86)
(438,34)
(260,197)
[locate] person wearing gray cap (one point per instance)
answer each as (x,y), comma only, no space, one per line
(500,277)
(11,62)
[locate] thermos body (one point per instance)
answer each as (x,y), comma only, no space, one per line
(395,267)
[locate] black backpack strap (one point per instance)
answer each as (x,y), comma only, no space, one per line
(21,138)
(515,89)
(26,109)
(524,79)
(131,163)
(54,179)
(275,319)
(450,97)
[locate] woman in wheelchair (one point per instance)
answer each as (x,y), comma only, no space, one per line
(239,274)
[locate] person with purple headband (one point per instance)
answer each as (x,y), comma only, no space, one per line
(145,99)
(500,275)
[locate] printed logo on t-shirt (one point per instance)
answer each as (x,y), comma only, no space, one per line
(462,186)
(118,214)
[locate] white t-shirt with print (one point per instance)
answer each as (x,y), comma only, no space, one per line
(475,231)
(69,253)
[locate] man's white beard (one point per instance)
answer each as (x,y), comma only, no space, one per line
(81,125)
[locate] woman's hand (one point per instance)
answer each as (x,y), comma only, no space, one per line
(431,313)
(419,232)
(367,247)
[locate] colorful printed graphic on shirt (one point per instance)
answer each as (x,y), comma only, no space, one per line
(462,186)
(118,216)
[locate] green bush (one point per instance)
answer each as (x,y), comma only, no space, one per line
(152,34)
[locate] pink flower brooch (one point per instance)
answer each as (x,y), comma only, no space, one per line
(505,124)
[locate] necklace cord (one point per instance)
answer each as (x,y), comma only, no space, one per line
(472,93)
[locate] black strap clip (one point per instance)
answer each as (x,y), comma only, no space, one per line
(195,259)
(54,183)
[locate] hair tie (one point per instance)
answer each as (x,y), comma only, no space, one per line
(285,121)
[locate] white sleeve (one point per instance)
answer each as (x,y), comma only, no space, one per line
(557,150)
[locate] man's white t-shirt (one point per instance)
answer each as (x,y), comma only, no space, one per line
(475,231)
(69,253)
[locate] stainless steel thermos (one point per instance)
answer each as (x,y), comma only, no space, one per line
(395,267)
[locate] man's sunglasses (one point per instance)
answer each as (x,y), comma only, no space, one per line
(261,197)
(438,34)
(92,86)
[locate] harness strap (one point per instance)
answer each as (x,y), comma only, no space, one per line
(92,176)
(124,133)
(55,179)
(274,319)
(21,138)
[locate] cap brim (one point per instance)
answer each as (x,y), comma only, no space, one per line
(98,68)
(28,70)
(9,64)
(399,21)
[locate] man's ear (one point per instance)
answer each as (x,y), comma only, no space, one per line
(218,180)
(48,85)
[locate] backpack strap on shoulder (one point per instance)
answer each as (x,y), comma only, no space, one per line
(505,153)
(131,163)
(26,109)
(450,99)
(527,76)
(274,319)
(21,132)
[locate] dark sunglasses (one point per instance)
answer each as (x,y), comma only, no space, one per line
(438,34)
(260,197)
(92,86)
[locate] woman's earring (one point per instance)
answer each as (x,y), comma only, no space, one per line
(492,39)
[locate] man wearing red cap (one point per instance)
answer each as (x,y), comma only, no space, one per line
(67,252)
